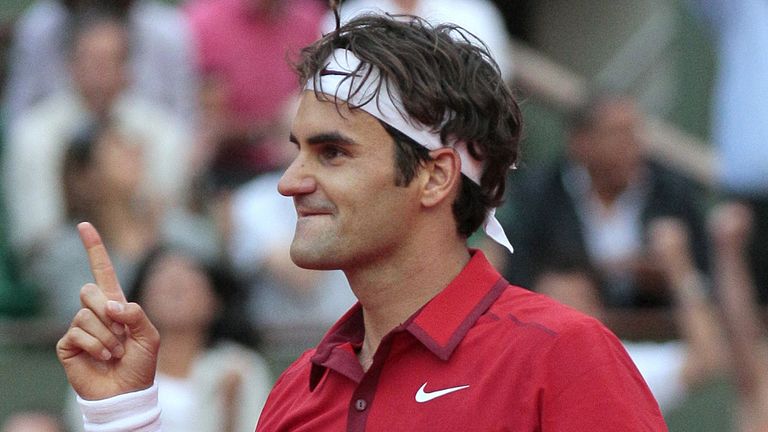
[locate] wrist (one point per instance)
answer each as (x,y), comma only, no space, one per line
(136,412)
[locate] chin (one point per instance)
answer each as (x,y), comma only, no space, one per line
(313,258)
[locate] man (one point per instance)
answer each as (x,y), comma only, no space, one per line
(405,135)
(160,63)
(31,173)
(594,207)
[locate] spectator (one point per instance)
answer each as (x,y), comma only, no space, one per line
(673,368)
(740,115)
(160,62)
(37,141)
(102,173)
(595,205)
(480,17)
(243,48)
(212,381)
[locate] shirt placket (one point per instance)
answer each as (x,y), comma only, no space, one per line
(361,403)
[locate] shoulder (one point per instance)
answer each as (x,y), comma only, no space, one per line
(228,351)
(525,308)
(542,329)
(161,25)
(57,115)
(229,358)
(39,18)
(143,115)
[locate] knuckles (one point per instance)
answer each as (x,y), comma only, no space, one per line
(88,291)
(83,315)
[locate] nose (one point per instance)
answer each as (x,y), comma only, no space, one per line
(296,179)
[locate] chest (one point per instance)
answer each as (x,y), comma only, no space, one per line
(415,392)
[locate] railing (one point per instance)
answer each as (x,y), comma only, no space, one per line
(564,90)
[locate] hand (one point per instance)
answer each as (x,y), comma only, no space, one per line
(111,346)
(670,249)
(730,226)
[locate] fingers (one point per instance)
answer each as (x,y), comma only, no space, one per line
(101,266)
(139,326)
(94,299)
(89,334)
(730,226)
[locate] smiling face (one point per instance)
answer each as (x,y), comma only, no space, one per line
(350,212)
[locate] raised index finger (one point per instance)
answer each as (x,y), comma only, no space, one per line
(101,265)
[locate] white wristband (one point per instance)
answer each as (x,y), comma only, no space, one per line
(130,412)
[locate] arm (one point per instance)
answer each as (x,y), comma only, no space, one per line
(593,385)
(109,353)
(748,338)
(695,313)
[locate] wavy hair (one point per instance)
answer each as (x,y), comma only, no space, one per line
(448,81)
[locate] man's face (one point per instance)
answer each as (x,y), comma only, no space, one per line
(350,213)
(609,148)
(99,63)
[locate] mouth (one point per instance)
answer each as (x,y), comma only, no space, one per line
(304,212)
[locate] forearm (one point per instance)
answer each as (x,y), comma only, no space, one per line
(742,320)
(699,326)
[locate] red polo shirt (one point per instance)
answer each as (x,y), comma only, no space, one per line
(481,356)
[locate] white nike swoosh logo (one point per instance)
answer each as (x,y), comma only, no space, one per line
(424,396)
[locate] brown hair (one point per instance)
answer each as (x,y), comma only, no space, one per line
(447,81)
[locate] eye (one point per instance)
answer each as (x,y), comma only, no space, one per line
(331,153)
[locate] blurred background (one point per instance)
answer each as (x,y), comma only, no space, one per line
(641,195)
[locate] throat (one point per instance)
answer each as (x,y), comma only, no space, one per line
(365,357)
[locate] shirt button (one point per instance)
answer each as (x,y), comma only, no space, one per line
(361,404)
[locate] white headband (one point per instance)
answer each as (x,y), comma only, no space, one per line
(339,79)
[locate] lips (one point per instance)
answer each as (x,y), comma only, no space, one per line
(307,212)
(306,207)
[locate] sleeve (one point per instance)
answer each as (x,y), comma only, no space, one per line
(593,385)
(31,180)
(130,412)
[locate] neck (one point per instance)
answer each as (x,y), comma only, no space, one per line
(179,351)
(609,190)
(392,291)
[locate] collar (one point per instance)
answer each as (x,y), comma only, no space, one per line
(440,325)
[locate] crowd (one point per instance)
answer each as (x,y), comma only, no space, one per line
(165,125)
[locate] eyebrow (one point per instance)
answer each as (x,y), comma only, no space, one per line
(326,138)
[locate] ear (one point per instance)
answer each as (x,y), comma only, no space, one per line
(442,175)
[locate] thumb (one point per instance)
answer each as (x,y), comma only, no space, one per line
(139,325)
